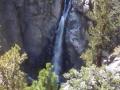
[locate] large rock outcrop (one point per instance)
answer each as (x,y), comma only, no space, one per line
(76,26)
(29,24)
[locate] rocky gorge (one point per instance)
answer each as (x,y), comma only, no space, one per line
(32,25)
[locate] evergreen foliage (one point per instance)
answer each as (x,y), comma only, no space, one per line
(92,78)
(106,16)
(11,78)
(46,80)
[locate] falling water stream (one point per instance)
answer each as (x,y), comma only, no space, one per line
(57,58)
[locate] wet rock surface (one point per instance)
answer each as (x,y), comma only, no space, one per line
(76,26)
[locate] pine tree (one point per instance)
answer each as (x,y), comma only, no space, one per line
(93,78)
(11,78)
(106,17)
(46,80)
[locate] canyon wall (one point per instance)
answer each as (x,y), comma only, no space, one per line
(32,23)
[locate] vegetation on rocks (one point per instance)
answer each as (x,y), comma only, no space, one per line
(92,78)
(106,17)
(11,78)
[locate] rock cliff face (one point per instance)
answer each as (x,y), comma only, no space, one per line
(9,28)
(76,26)
(37,19)
(31,25)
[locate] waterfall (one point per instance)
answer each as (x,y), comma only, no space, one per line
(57,58)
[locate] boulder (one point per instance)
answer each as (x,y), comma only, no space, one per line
(114,66)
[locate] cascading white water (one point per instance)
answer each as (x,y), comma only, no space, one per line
(57,58)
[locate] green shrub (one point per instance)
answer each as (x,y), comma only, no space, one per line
(92,78)
(46,80)
(11,78)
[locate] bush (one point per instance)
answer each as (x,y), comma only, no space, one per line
(46,80)
(92,78)
(11,78)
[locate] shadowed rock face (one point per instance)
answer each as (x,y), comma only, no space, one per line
(9,28)
(31,23)
(38,17)
(28,23)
